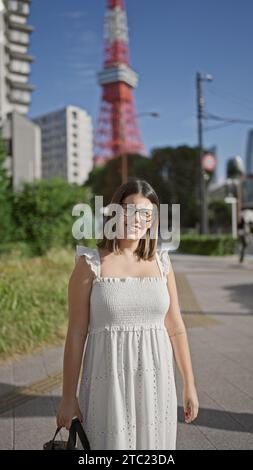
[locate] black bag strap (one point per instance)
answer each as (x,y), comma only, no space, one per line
(55,434)
(77,429)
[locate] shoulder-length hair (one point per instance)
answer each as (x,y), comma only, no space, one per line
(147,246)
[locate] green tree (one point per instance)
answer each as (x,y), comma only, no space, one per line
(105,179)
(175,177)
(172,171)
(6,221)
(43,211)
(219,216)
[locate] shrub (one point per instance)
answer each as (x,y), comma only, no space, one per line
(216,245)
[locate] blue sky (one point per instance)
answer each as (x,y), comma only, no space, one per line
(169,42)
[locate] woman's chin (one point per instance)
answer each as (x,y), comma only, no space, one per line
(134,235)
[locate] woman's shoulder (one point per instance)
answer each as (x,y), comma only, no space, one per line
(83,250)
(164,257)
(89,255)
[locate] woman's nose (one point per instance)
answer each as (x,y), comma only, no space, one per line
(137,216)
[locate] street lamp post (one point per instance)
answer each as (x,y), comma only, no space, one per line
(234,198)
(233,201)
(202,183)
(124,162)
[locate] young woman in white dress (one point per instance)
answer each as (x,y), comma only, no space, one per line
(123,306)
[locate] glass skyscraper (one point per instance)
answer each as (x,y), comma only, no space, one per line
(249,154)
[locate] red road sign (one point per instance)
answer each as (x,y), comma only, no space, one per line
(208,162)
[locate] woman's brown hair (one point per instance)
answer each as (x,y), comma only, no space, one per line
(147,246)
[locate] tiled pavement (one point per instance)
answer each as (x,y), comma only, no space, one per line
(216,300)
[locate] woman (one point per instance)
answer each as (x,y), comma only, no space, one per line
(123,299)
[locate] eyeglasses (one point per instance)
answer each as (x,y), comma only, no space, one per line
(130,210)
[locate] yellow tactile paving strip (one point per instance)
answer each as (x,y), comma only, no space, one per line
(192,315)
(191,311)
(33,390)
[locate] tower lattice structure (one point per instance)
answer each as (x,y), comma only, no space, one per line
(117,130)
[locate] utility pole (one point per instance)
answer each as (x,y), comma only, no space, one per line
(202,181)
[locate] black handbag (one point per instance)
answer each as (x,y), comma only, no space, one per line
(75,428)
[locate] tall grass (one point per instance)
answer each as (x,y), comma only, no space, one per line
(33,300)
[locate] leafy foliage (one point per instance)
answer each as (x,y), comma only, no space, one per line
(43,213)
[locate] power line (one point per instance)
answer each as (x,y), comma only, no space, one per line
(236,99)
(210,128)
(214,117)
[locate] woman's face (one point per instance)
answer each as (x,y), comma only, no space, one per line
(135,224)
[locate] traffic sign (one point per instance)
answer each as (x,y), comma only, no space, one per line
(208,162)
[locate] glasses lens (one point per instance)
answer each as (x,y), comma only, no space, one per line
(130,210)
(145,214)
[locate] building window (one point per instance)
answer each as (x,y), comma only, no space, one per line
(74,115)
(75,173)
(74,136)
(19,36)
(74,126)
(19,66)
(75,154)
(18,7)
(19,95)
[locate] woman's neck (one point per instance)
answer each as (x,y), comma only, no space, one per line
(128,247)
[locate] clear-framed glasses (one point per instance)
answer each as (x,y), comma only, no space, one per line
(130,210)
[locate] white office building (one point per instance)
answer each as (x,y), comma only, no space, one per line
(15,62)
(22,136)
(66,142)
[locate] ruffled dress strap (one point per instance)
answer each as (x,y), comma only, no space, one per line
(91,255)
(164,259)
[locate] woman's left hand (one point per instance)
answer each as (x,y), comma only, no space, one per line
(190,402)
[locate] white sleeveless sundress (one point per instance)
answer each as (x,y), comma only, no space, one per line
(127,392)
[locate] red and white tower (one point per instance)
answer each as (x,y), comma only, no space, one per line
(117,129)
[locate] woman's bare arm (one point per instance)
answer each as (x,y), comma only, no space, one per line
(79,289)
(177,332)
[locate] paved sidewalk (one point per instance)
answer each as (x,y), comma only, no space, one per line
(216,300)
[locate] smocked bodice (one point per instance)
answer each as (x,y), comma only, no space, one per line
(127,303)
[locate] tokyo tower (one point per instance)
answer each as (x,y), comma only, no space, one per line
(117,129)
